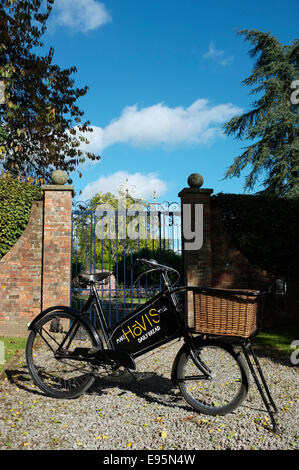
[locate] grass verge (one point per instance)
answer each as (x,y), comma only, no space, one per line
(10,346)
(277,341)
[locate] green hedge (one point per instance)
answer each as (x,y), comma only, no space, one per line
(15,204)
(264,228)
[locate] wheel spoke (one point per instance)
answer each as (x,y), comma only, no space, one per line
(44,339)
(59,377)
(220,391)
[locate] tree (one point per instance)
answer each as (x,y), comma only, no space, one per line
(102,230)
(40,124)
(110,232)
(272,123)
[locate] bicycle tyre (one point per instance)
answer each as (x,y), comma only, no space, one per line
(58,378)
(230,379)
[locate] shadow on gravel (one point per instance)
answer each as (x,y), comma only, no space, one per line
(22,379)
(153,388)
(150,386)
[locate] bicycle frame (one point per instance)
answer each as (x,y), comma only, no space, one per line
(151,325)
(154,323)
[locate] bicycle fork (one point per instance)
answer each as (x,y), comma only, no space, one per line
(201,366)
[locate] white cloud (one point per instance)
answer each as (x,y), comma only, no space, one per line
(162,125)
(217,55)
(140,185)
(81,15)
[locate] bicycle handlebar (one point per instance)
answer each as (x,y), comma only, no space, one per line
(153,263)
(155,267)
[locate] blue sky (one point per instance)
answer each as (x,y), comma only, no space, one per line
(163,78)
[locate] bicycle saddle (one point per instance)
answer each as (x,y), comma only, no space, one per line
(94,277)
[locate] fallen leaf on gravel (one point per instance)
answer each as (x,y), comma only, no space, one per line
(187,418)
(129,444)
(163,434)
(202,421)
(54,420)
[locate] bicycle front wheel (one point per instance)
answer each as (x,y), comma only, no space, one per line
(59,378)
(228,383)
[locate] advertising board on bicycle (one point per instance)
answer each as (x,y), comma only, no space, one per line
(151,324)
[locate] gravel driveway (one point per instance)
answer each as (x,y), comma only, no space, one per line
(147,413)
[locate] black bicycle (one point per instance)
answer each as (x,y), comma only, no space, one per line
(65,352)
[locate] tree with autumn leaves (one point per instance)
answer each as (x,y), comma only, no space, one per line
(41,126)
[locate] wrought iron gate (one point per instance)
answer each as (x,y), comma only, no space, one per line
(109,235)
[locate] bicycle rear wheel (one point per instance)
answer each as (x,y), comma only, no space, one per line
(229,382)
(59,378)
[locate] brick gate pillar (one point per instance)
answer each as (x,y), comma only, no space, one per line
(56,263)
(197,263)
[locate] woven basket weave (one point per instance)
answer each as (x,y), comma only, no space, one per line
(226,313)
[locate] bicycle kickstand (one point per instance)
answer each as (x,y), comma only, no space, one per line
(247,347)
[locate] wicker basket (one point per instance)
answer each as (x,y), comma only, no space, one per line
(226,312)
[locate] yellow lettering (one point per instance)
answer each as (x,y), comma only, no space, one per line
(137,328)
(155,314)
(148,319)
(128,332)
(143,327)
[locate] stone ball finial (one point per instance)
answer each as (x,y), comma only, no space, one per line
(195,180)
(59,177)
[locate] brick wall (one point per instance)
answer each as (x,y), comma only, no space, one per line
(35,273)
(219,264)
(230,268)
(197,263)
(57,247)
(20,277)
